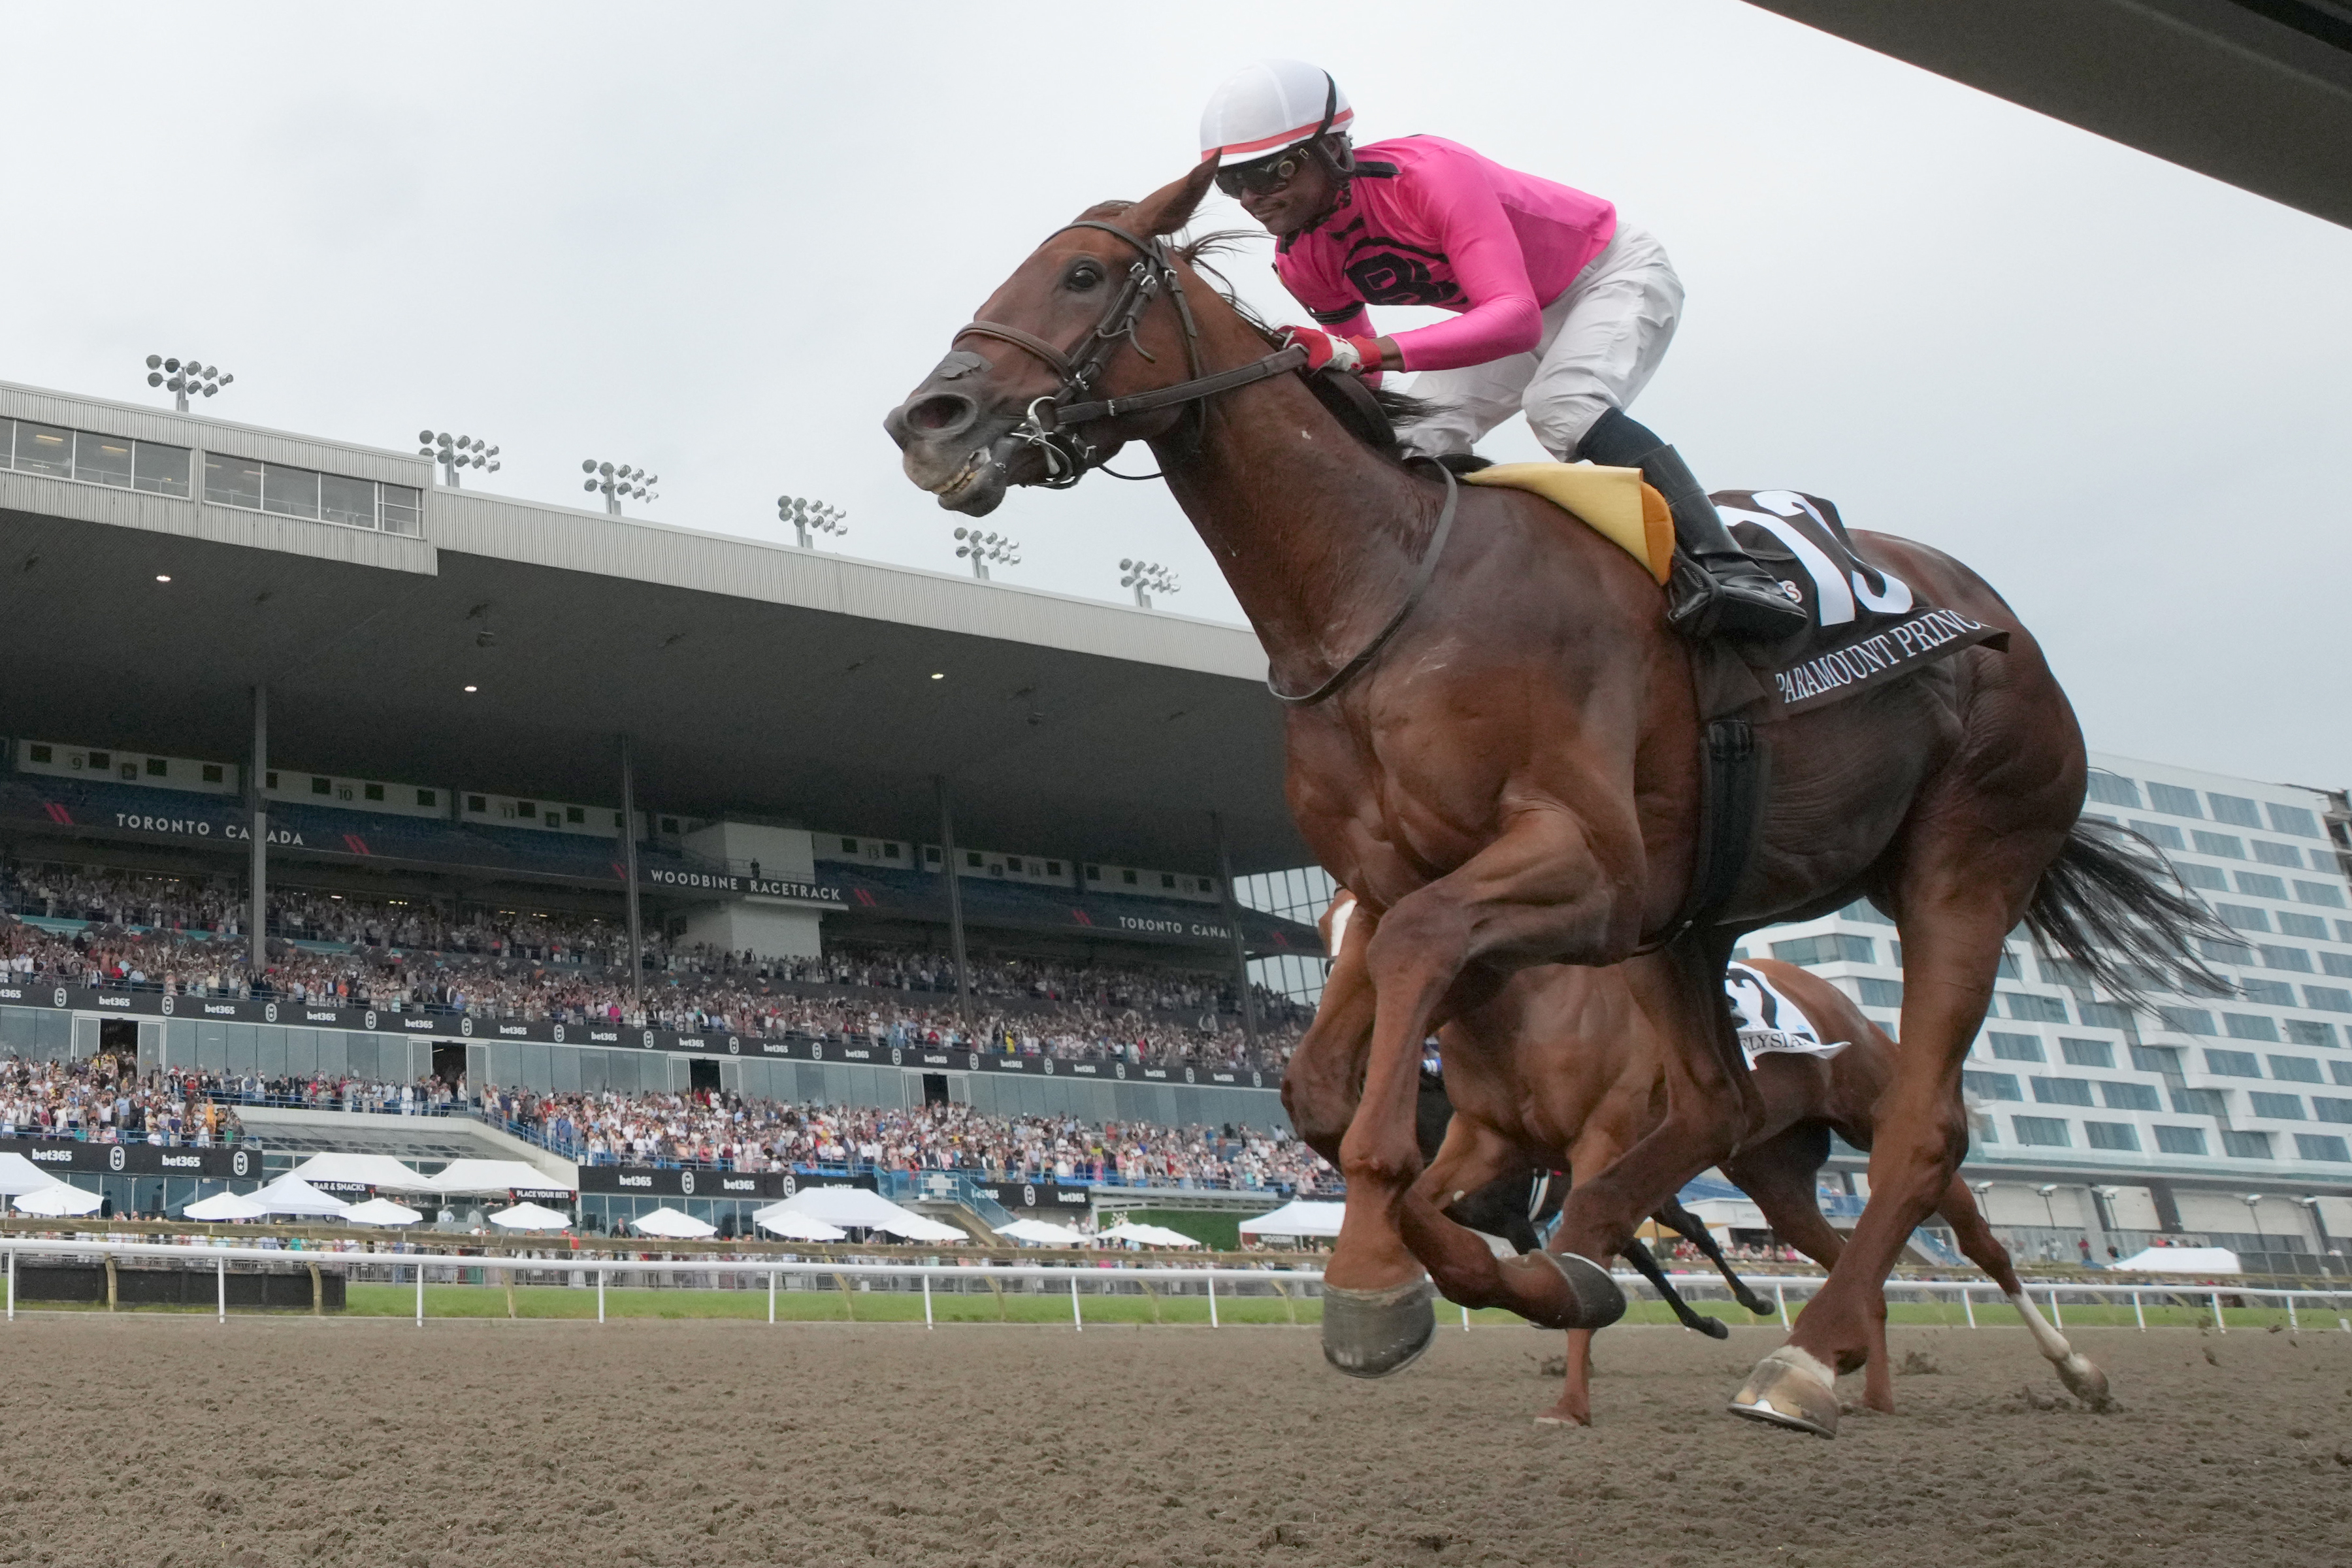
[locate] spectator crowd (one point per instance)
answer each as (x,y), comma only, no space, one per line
(104,1099)
(170,934)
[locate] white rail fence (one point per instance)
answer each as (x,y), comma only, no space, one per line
(770,1271)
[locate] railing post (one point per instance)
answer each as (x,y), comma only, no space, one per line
(1465,1318)
(2055,1320)
(1078,1318)
(1780,1300)
(772,1295)
(1967,1307)
(12,1284)
(420,1289)
(2140,1313)
(2219,1326)
(926,1301)
(602,1274)
(1213,1294)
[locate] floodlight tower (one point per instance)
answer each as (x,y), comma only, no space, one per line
(808,516)
(1147,578)
(618,482)
(456,454)
(181,377)
(986,550)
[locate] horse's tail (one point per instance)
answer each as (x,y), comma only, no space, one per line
(2114,904)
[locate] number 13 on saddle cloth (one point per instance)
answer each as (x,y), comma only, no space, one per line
(1864,626)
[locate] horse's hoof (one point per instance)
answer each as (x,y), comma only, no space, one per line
(2085,1381)
(1790,1388)
(1713,1327)
(1371,1333)
(1562,1418)
(1592,1299)
(1757,1305)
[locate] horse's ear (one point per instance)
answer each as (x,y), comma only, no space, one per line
(1171,207)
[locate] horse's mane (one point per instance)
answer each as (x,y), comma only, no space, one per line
(1400,407)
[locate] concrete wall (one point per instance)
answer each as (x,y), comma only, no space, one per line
(764,926)
(781,851)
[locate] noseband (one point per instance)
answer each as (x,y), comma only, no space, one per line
(1052,423)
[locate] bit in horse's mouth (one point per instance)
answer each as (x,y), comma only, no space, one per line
(963,479)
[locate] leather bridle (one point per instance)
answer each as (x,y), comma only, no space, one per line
(1054,432)
(1068,454)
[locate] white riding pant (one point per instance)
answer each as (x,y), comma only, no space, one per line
(1603,340)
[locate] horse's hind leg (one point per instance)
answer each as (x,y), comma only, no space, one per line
(1780,1176)
(1691,1228)
(2084,1380)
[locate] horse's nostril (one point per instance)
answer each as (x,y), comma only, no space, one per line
(939,413)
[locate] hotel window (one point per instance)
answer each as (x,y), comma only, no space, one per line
(2113,789)
(2277,1107)
(2245,1145)
(2271,854)
(2116,1135)
(2041,1132)
(2119,1095)
(2234,809)
(2016,1047)
(2174,802)
(2322,1146)
(2180,1139)
(2087,1053)
(2294,819)
(2225,845)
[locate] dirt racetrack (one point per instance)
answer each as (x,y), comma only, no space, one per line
(173,1442)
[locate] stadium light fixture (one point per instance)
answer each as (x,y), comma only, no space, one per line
(986,550)
(1147,578)
(456,453)
(808,516)
(618,482)
(181,377)
(163,576)
(473,688)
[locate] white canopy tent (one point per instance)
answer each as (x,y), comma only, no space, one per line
(796,1227)
(59,1199)
(292,1195)
(1038,1233)
(864,1210)
(497,1176)
(18,1174)
(672,1223)
(379,1170)
(2181,1260)
(224,1207)
(382,1211)
(1298,1217)
(1146,1235)
(530,1216)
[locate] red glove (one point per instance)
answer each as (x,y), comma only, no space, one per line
(1361,355)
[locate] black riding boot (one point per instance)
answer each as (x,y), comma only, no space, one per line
(1724,593)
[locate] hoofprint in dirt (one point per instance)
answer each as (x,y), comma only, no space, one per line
(167,1440)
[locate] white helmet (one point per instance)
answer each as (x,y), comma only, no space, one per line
(1274,104)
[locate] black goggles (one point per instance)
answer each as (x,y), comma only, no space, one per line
(1264,177)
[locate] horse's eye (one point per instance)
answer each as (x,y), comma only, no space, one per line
(1083,278)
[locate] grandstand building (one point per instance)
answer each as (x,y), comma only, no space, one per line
(243,656)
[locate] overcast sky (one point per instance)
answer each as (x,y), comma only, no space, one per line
(722,241)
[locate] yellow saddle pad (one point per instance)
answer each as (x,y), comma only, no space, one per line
(1612,502)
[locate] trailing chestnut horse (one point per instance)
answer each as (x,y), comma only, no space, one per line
(1495,744)
(1507,1064)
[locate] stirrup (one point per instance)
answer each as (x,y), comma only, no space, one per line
(1700,605)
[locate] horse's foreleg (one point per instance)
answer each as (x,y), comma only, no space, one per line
(1688,1225)
(1536,891)
(2083,1379)
(1646,1265)
(1319,1086)
(1574,1406)
(1462,1266)
(1778,1175)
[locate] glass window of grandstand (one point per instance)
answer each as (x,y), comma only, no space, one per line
(116,461)
(252,485)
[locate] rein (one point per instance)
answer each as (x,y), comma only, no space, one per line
(1068,454)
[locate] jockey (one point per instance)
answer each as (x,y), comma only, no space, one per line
(1563,311)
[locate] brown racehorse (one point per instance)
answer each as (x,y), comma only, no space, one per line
(1507,1105)
(1496,746)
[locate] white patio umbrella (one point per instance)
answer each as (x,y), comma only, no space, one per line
(381,1172)
(1300,1217)
(293,1195)
(1039,1232)
(1149,1235)
(18,1174)
(58,1200)
(868,1210)
(782,1221)
(673,1224)
(225,1206)
(529,1216)
(382,1211)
